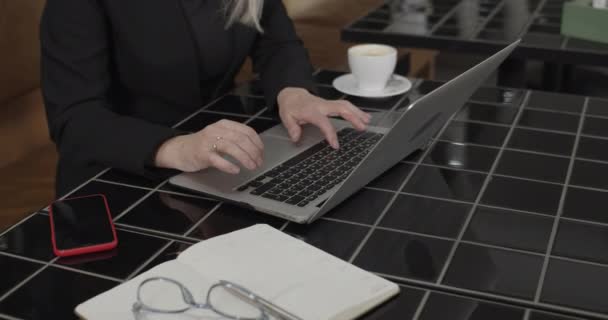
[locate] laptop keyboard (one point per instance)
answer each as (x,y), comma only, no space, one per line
(310,174)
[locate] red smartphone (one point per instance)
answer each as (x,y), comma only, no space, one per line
(82,225)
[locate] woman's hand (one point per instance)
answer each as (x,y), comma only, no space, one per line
(297,107)
(197,151)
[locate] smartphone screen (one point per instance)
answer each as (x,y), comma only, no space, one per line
(81,222)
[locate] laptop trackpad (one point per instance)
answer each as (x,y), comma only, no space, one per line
(276,150)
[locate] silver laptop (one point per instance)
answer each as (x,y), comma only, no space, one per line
(301,182)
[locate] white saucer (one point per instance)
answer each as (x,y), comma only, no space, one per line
(348,84)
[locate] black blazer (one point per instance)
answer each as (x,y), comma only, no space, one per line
(117,74)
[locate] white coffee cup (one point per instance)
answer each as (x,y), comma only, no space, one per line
(372,65)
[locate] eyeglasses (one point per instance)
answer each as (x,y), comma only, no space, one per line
(167,296)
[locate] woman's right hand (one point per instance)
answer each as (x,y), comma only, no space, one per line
(204,149)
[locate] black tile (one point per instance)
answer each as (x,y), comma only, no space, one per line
(329,93)
(170,253)
(556,101)
(393,177)
(448,32)
(581,44)
(364,206)
(132,251)
(540,141)
(590,148)
(586,204)
(543,40)
(445,183)
(498,95)
(368,103)
(327,77)
(260,125)
(53,294)
(167,212)
(117,175)
(31,239)
(414,156)
(590,174)
(251,88)
(597,107)
(461,156)
(369,25)
(228,218)
(533,166)
(119,197)
(402,306)
(14,271)
(404,255)
(509,229)
(582,241)
(549,316)
(336,238)
(493,270)
(425,215)
(442,306)
(475,133)
(171,188)
(549,120)
(246,106)
(427,86)
(596,126)
(487,113)
(380,15)
(576,285)
(523,195)
(203,119)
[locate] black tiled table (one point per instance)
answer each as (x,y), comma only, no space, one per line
(463,226)
(478,27)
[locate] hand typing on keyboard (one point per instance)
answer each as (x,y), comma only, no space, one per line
(312,173)
(297,107)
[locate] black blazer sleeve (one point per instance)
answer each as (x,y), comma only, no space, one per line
(278,54)
(75,75)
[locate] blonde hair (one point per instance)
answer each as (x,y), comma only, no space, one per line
(247,12)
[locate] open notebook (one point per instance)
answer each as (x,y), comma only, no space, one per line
(292,274)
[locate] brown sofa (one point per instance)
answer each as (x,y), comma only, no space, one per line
(27,160)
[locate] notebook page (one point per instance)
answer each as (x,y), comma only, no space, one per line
(308,282)
(116,303)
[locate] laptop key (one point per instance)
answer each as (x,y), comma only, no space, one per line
(295,200)
(276,197)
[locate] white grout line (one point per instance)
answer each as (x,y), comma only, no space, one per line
(560,209)
(527,315)
(88,273)
(481,193)
(568,133)
(527,179)
(150,233)
(20,257)
(123,184)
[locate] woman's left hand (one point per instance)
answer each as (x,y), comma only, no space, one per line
(297,107)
